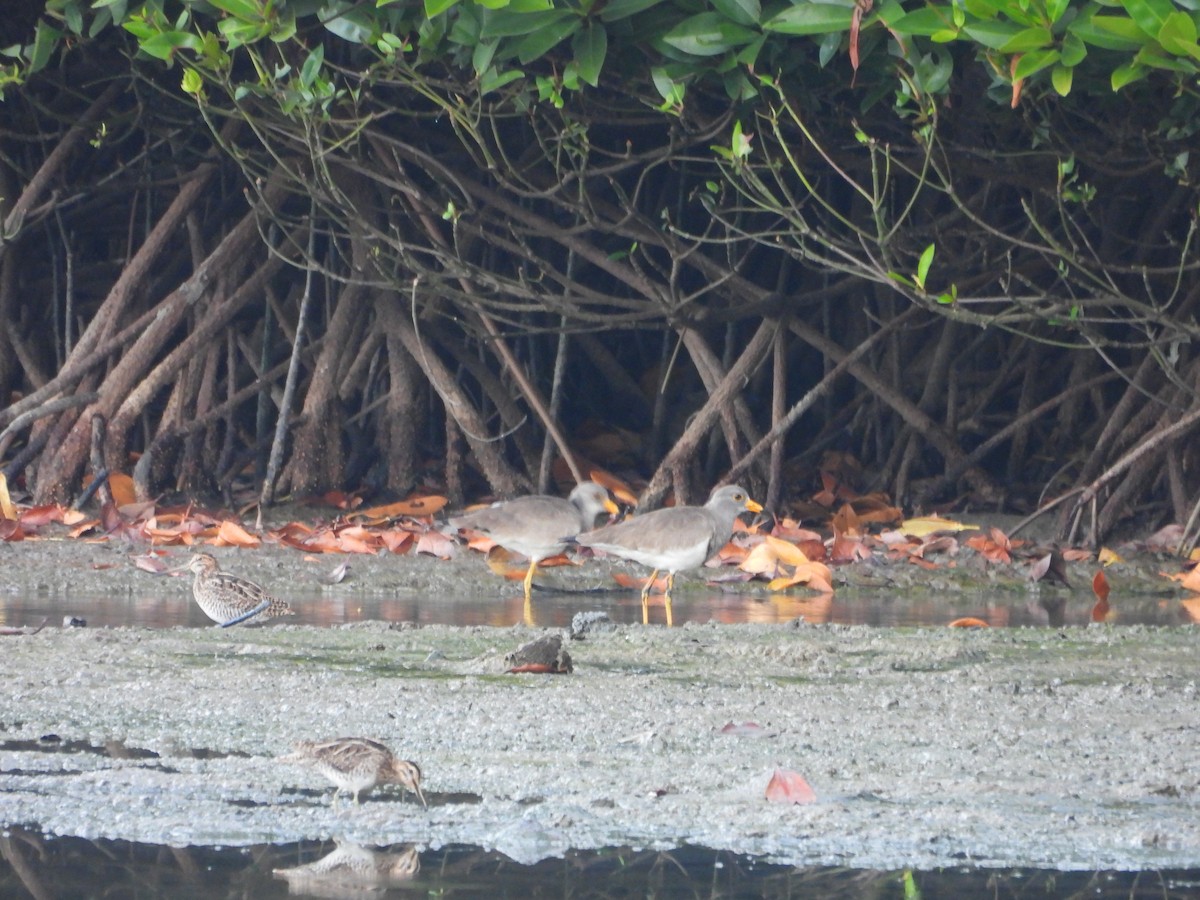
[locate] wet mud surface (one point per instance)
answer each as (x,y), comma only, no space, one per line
(1065,748)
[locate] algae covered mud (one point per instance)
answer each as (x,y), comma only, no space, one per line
(1069,748)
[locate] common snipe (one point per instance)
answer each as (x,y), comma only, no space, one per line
(228,599)
(356,764)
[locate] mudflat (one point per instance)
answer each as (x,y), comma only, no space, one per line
(1069,748)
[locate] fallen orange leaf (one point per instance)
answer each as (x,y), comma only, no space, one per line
(417,505)
(121,486)
(786,786)
(969,622)
(231,534)
(436,544)
(1100,586)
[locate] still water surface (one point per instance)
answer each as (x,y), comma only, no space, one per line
(32,865)
(173,607)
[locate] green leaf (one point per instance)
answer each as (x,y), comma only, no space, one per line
(1149,14)
(590,47)
(45,39)
(1108,32)
(1126,74)
(623,9)
(437,7)
(1178,35)
(164,45)
(707,34)
(491,80)
(923,265)
(922,22)
(992,34)
(1028,39)
(542,41)
(1073,49)
(819,18)
(742,12)
(1034,61)
(669,89)
(508,23)
(1061,78)
(192,83)
(312,66)
(241,9)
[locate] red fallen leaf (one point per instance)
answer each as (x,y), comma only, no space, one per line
(10,530)
(743,729)
(100,567)
(787,786)
(41,515)
(1100,611)
(536,668)
(968,622)
(1100,586)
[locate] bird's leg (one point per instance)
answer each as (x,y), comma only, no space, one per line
(667,598)
(649,586)
(529,580)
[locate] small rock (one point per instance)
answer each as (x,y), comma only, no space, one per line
(585,622)
(546,654)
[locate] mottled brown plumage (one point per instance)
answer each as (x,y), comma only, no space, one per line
(226,598)
(356,764)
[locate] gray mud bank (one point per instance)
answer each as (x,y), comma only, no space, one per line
(1072,749)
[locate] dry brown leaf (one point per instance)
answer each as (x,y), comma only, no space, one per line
(231,534)
(1189,580)
(415,506)
(436,544)
(398,540)
(812,574)
(618,487)
(122,489)
(786,786)
(11,530)
(846,521)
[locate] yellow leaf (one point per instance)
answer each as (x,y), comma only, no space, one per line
(7,510)
(926,525)
(813,574)
(766,557)
(1108,557)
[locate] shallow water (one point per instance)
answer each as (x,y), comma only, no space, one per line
(33,865)
(173,607)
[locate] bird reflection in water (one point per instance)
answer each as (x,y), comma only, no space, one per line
(352,871)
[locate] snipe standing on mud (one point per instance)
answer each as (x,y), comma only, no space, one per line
(228,599)
(356,764)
